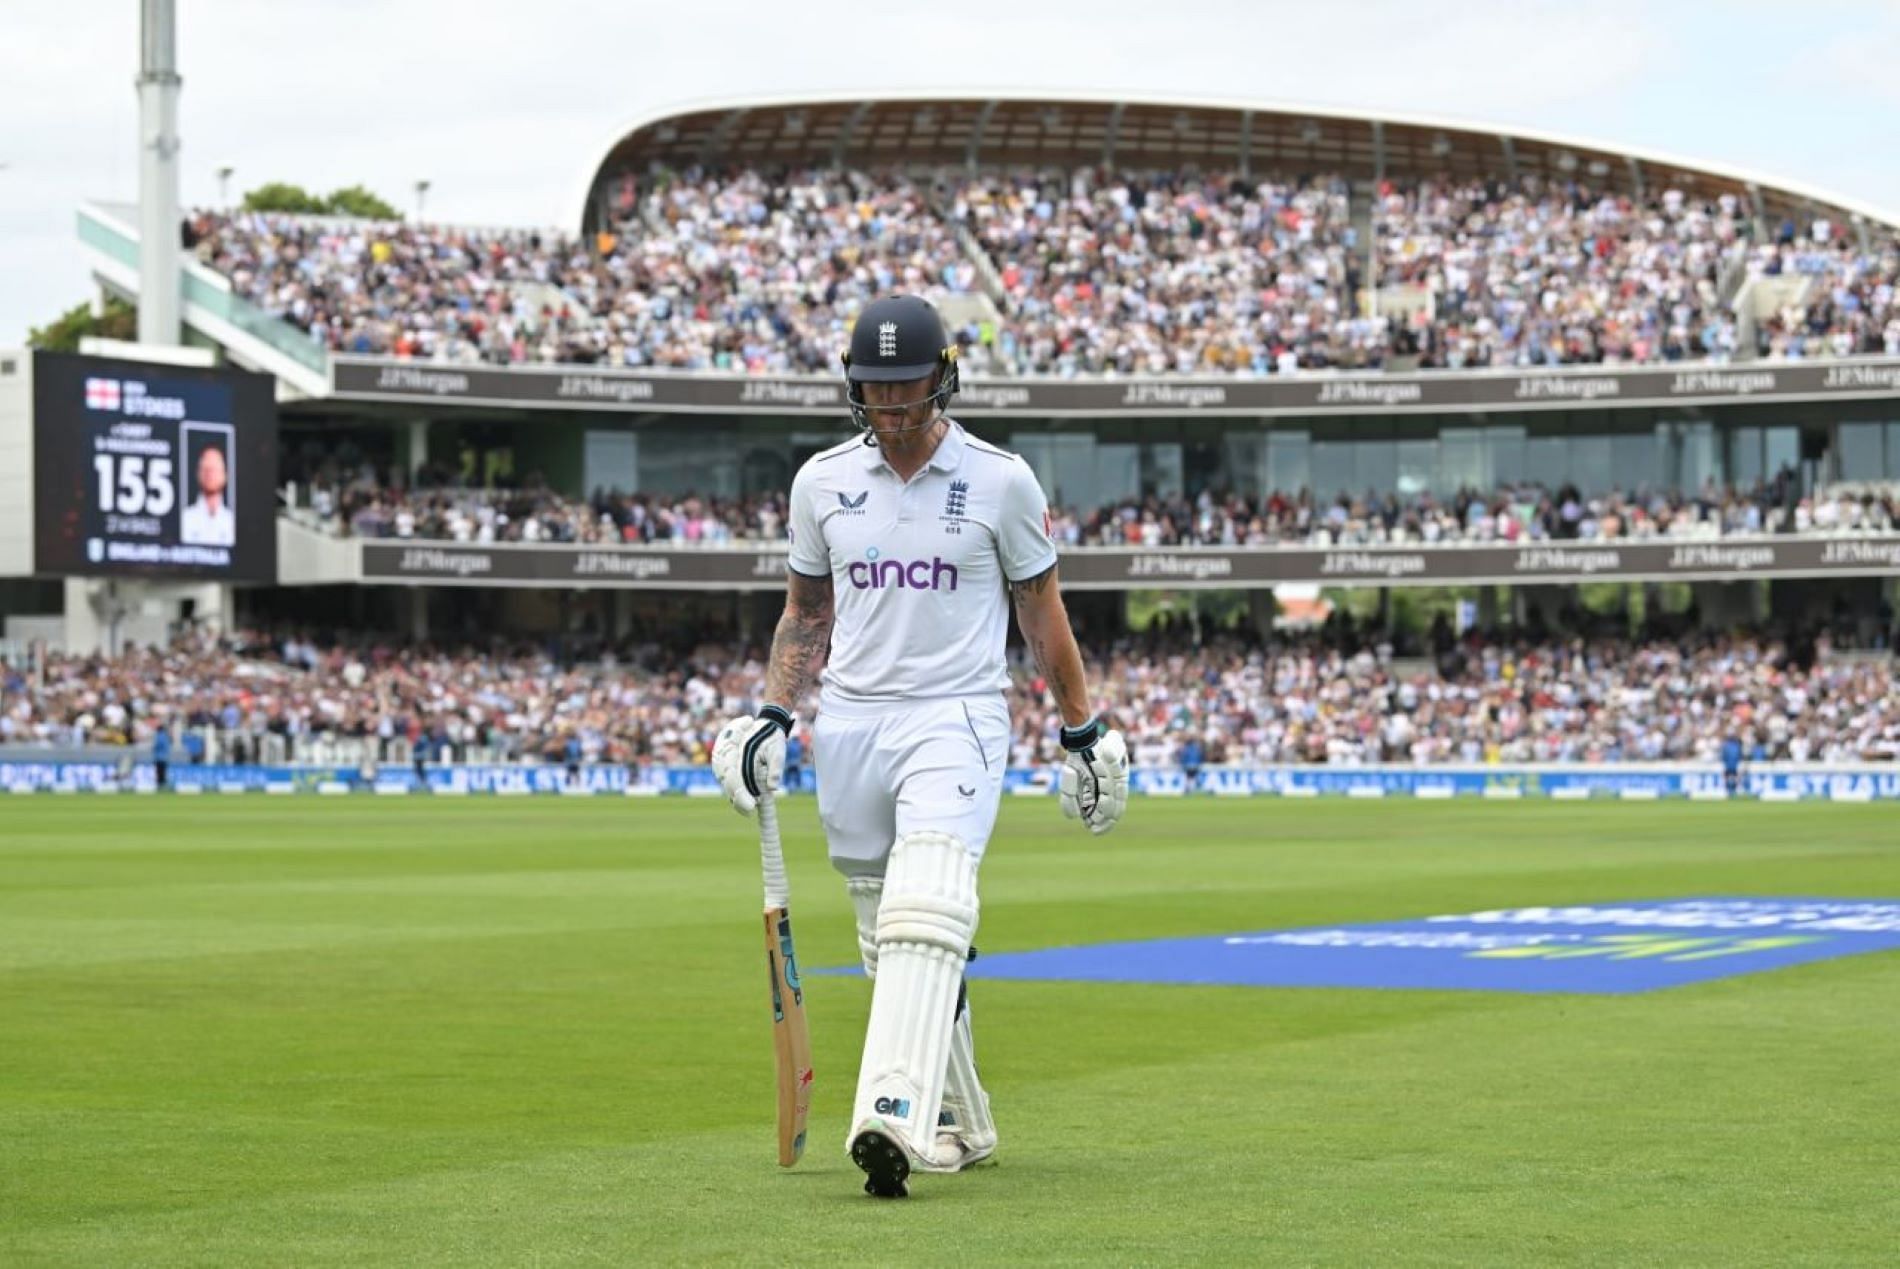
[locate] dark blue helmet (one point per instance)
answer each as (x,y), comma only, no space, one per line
(896,340)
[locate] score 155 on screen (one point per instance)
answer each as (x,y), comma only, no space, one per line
(147,470)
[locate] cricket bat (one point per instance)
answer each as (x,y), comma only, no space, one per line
(791,1038)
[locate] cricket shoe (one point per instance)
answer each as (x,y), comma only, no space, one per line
(879,1152)
(960,1146)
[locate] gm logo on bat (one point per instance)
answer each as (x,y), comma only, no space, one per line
(791,961)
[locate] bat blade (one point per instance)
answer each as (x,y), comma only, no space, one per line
(791,1036)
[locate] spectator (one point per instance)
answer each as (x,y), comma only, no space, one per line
(1732,763)
(1331,697)
(1086,271)
(1190,756)
(161,754)
(1515,512)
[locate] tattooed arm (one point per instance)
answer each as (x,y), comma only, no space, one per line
(801,642)
(1094,779)
(1045,626)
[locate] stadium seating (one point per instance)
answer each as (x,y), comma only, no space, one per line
(1320,698)
(1080,271)
(360,507)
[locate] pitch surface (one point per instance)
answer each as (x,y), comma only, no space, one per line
(534,1031)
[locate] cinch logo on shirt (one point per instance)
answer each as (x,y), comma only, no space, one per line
(935,573)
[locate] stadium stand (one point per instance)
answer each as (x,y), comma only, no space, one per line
(356,505)
(1082,271)
(1332,697)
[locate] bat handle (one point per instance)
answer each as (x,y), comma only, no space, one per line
(772,855)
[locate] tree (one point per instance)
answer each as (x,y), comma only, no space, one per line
(351,200)
(277,196)
(63,333)
(354,200)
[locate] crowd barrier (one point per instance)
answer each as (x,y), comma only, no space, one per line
(1770,781)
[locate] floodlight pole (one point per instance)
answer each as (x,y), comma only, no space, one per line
(158,86)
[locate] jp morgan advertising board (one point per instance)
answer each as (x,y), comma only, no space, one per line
(587,388)
(1206,568)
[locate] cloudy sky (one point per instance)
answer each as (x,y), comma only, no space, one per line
(505,106)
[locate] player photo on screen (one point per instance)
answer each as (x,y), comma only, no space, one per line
(206,456)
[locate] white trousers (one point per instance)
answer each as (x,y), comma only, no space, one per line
(887,770)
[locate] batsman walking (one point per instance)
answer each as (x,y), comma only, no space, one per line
(907,543)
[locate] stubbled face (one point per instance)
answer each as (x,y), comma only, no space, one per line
(211,473)
(899,410)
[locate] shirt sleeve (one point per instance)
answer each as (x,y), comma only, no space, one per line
(809,554)
(1022,527)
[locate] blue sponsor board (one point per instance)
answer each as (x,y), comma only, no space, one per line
(73,775)
(515,779)
(1852,784)
(1856,783)
(1612,948)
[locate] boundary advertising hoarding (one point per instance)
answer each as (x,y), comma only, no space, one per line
(1203,568)
(1305,395)
(1637,781)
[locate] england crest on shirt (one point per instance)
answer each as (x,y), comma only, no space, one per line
(955,506)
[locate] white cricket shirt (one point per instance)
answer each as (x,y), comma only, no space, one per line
(918,568)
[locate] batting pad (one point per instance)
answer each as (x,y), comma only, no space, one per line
(963,1089)
(924,927)
(866,895)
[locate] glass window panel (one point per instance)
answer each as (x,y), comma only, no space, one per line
(1893,451)
(1333,469)
(1696,465)
(1039,454)
(1289,461)
(1547,460)
(1668,474)
(1507,454)
(1590,465)
(1077,473)
(611,460)
(1376,468)
(1065,466)
(1416,462)
(1244,462)
(1162,468)
(1781,447)
(1744,456)
(1633,461)
(1862,455)
(684,462)
(1462,461)
(1117,472)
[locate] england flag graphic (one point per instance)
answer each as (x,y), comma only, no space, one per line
(102,394)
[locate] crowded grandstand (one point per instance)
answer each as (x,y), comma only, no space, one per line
(1670,389)
(1095,274)
(1092,272)
(1340,696)
(362,506)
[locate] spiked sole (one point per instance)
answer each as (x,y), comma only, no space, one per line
(886,1167)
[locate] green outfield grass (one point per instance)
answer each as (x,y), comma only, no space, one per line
(526,1031)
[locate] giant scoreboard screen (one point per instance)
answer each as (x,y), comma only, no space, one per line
(149,470)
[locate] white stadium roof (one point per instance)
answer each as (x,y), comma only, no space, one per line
(1014,127)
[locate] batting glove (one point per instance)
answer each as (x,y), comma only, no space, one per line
(748,758)
(1094,775)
